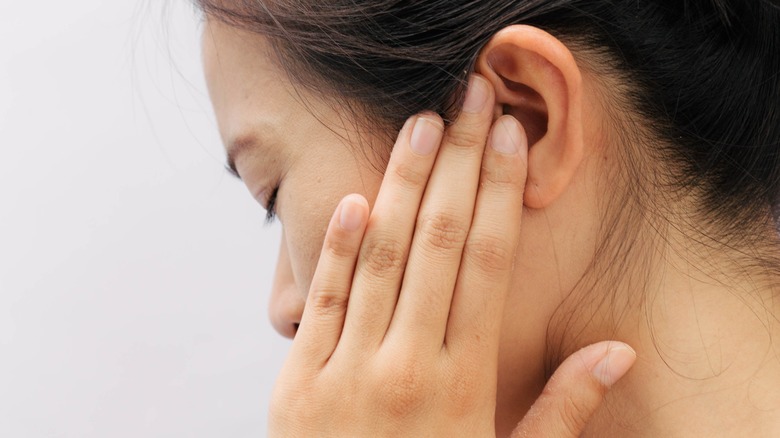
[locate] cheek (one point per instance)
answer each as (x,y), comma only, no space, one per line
(308,211)
(305,234)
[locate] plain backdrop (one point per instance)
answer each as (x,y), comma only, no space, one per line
(134,273)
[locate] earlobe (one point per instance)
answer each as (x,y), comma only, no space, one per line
(538,82)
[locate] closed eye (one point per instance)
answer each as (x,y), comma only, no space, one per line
(270,215)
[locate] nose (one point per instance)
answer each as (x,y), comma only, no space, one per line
(286,306)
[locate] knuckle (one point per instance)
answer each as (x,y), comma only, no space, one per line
(464,401)
(406,388)
(465,136)
(340,246)
(408,175)
(328,300)
(383,256)
(465,393)
(498,177)
(443,231)
(573,414)
(490,254)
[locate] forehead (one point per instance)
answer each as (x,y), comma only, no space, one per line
(254,98)
(238,63)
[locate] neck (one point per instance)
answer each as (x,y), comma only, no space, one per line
(708,362)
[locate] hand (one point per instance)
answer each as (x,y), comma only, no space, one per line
(399,336)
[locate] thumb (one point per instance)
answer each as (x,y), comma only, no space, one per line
(576,390)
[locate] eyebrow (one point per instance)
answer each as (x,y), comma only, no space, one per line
(234,149)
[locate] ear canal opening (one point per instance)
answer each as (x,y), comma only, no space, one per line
(527,106)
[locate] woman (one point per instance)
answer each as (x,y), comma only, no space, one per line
(637,141)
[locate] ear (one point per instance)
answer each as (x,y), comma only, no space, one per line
(539,83)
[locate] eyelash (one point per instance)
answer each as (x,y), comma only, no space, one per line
(270,215)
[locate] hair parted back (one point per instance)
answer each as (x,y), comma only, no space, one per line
(703,74)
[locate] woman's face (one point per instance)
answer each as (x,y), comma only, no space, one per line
(281,136)
(282,140)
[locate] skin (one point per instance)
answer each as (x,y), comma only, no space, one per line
(716,361)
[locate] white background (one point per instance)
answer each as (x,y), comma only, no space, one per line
(134,273)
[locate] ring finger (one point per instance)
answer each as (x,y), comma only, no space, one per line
(444,222)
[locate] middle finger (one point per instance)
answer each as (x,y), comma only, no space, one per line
(444,221)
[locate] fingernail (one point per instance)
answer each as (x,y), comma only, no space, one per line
(351,214)
(507,137)
(426,135)
(618,360)
(476,96)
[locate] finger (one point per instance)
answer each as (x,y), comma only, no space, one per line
(576,390)
(444,221)
(485,274)
(326,305)
(388,236)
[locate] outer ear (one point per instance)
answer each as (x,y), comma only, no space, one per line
(538,81)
